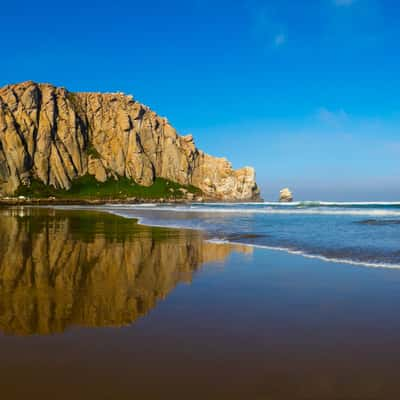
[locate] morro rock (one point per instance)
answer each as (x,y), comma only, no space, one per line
(285,195)
(55,136)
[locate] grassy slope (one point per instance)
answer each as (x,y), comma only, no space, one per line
(86,187)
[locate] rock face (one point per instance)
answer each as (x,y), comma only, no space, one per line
(285,195)
(55,136)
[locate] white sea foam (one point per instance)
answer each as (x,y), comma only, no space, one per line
(314,256)
(266,210)
(314,203)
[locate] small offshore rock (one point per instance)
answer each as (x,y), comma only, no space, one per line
(285,196)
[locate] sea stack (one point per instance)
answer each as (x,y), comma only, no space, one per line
(53,136)
(285,196)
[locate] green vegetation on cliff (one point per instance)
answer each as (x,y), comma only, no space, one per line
(86,187)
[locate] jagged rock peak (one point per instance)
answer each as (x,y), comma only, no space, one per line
(55,136)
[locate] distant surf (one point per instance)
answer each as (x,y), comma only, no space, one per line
(305,207)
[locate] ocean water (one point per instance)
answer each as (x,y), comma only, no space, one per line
(364,233)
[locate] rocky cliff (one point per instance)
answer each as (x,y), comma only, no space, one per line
(55,136)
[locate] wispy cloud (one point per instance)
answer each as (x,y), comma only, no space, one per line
(267,25)
(334,118)
(344,3)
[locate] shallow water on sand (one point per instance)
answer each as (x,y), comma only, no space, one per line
(93,305)
(356,233)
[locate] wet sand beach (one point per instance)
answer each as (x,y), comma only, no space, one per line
(95,306)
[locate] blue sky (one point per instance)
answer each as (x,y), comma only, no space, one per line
(305,91)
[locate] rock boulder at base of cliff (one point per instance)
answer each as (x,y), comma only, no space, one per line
(285,196)
(55,136)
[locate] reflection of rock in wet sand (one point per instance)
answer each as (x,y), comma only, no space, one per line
(59,269)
